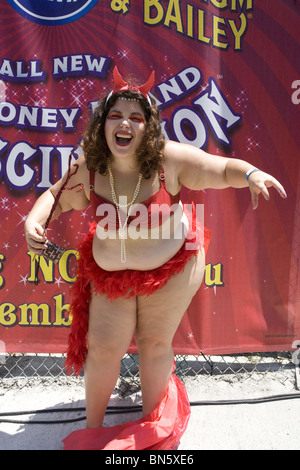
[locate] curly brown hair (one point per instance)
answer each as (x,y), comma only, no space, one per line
(150,153)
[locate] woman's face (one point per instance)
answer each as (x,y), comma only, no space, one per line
(124,128)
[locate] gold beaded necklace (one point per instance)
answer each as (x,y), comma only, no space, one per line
(122,227)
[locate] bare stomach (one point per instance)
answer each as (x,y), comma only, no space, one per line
(141,254)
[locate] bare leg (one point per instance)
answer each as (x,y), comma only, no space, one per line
(159,316)
(111,327)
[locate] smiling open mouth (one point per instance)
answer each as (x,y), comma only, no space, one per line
(123,139)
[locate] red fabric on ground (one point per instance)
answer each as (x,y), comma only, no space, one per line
(160,430)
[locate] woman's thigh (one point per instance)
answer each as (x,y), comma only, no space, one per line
(111,323)
(159,314)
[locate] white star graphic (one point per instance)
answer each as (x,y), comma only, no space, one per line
(24,279)
(58,281)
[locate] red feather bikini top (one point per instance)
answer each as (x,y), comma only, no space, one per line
(153,211)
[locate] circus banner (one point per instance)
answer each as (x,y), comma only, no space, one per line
(227,81)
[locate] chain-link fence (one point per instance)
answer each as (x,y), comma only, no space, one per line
(18,370)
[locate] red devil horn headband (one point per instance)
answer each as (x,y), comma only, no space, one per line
(121,85)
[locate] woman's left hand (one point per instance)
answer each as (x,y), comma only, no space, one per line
(259,182)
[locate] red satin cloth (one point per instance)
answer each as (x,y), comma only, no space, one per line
(160,430)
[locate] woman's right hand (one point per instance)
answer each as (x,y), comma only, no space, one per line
(35,238)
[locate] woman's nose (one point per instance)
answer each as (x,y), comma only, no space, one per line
(125,122)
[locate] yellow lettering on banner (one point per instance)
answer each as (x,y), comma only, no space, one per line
(46,268)
(157,12)
(148,8)
(222,4)
(30,315)
(201,23)
(249,4)
(2,258)
(60,307)
(218,275)
(238,33)
(190,20)
(36,314)
(217,32)
(7,314)
(174,17)
(219,3)
(120,6)
(63,265)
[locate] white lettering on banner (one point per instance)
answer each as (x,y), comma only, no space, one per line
(20,70)
(187,124)
(80,64)
(38,118)
(179,85)
(18,172)
(63,66)
(190,119)
(21,153)
(215,107)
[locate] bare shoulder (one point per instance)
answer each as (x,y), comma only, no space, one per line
(82,173)
(173,151)
(177,153)
(180,157)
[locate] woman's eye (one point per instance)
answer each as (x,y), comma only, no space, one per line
(114,116)
(137,119)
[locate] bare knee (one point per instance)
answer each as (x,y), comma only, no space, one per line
(100,349)
(153,346)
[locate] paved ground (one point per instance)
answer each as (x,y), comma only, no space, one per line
(271,425)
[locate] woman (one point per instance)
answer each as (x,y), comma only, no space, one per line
(140,283)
